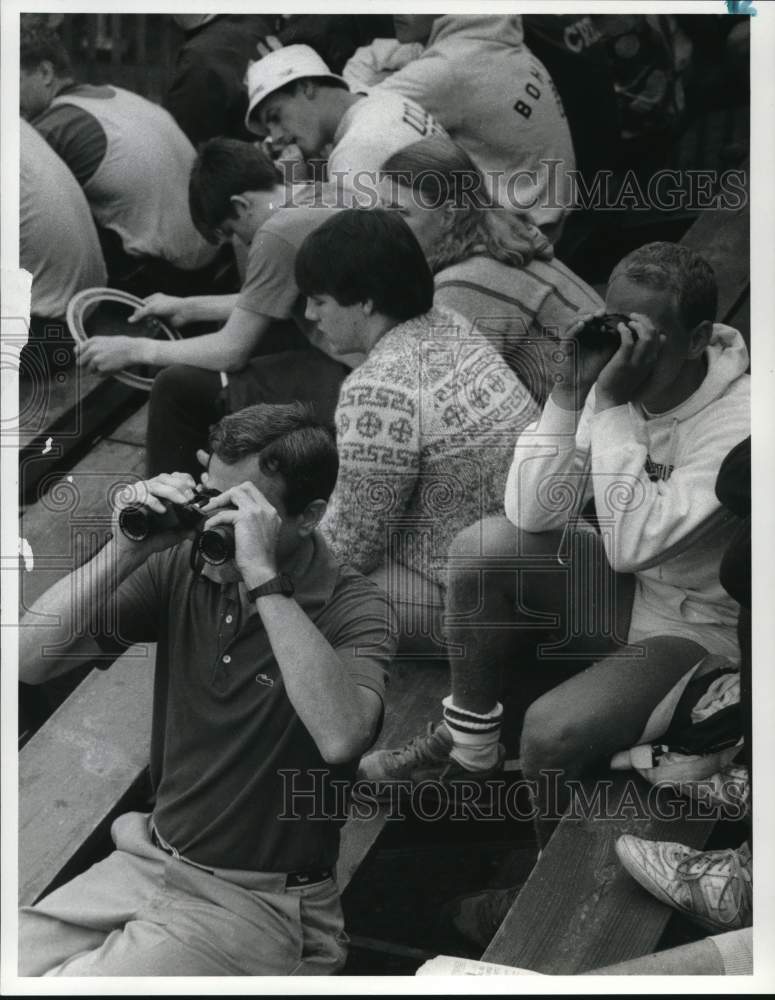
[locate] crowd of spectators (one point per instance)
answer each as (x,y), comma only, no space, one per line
(404,405)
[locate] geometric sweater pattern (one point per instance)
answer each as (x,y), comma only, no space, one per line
(425,430)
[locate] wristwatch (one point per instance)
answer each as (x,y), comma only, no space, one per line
(281,584)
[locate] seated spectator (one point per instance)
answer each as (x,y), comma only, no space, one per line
(235,191)
(261,673)
(423,425)
(715,888)
(496,100)
(207,96)
(53,213)
(651,423)
(491,265)
(298,102)
(128,155)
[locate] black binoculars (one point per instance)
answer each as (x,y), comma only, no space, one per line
(601,334)
(215,545)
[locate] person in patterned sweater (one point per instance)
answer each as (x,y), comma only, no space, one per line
(425,426)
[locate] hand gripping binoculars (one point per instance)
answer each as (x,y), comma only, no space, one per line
(215,545)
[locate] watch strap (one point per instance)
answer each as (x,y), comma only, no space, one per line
(280,584)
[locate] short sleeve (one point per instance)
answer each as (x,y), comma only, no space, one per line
(363,629)
(77,137)
(139,604)
(270,286)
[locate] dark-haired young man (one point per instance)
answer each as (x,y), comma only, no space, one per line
(270,669)
(234,191)
(641,426)
(128,155)
(424,424)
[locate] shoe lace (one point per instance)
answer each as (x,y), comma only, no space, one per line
(737,863)
(427,747)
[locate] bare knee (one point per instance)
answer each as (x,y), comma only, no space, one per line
(552,740)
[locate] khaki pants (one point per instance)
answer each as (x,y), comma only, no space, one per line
(140,912)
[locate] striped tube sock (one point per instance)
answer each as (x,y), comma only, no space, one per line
(475,737)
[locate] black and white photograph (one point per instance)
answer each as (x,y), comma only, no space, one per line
(386,432)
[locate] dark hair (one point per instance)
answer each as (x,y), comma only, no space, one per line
(38,43)
(290,442)
(222,169)
(361,254)
(678,269)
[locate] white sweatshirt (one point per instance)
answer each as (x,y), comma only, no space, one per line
(653,482)
(497,101)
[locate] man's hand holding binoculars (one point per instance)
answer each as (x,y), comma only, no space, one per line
(610,350)
(155,496)
(256,525)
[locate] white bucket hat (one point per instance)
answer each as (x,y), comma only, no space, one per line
(279,68)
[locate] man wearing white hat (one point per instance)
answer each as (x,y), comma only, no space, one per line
(295,100)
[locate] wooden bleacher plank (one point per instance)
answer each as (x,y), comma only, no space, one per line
(93,413)
(56,524)
(42,405)
(414,698)
(722,237)
(579,909)
(75,770)
(132,430)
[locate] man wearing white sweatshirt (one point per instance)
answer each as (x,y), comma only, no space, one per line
(641,430)
(495,99)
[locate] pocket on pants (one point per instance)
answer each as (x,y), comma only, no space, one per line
(322,925)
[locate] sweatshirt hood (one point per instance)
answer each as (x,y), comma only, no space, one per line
(480,28)
(727,358)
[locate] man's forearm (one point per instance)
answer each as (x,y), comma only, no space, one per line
(225,350)
(212,308)
(326,699)
(211,351)
(53,623)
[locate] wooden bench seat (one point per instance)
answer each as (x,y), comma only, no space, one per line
(579,909)
(78,769)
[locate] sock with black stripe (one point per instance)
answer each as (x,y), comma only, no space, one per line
(475,736)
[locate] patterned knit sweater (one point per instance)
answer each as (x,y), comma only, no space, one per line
(426,429)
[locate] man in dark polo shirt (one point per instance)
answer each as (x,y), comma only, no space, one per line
(269,682)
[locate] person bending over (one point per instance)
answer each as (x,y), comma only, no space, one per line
(234,192)
(129,156)
(297,102)
(53,212)
(424,425)
(480,81)
(490,263)
(269,664)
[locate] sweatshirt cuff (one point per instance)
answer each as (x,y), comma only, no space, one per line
(556,420)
